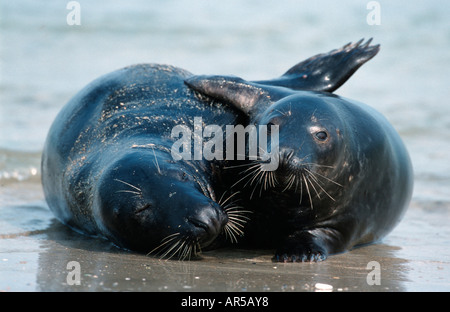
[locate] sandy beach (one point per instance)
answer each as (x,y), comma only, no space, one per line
(35,253)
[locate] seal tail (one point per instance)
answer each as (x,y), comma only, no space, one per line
(326,71)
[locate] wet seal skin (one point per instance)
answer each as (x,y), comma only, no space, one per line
(344,176)
(108,171)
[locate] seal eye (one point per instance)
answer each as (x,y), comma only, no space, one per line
(321,136)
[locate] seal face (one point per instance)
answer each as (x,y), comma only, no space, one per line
(139,204)
(108,170)
(344,176)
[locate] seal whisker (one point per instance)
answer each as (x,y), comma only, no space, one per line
(181,251)
(301,189)
(199,248)
(307,190)
(328,179)
(284,113)
(247,175)
(318,184)
(156,161)
(186,252)
(317,165)
(220,199)
(236,210)
(170,248)
(236,221)
(257,177)
(166,240)
(177,251)
(192,252)
(183,247)
(258,174)
(193,249)
(312,185)
(241,217)
(230,233)
(273,179)
(235,227)
(128,191)
(254,189)
(255,167)
(262,181)
(131,185)
(267,180)
(291,180)
(222,203)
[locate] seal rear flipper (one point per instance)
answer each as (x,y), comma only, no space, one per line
(326,71)
(309,245)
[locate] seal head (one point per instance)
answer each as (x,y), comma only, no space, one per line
(108,171)
(344,176)
(144,199)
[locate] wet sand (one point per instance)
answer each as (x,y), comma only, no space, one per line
(35,252)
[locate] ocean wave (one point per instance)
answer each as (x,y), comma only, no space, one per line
(19,166)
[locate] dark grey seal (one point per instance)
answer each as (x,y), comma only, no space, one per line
(344,177)
(108,170)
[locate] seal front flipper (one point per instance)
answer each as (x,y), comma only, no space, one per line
(309,245)
(246,96)
(326,71)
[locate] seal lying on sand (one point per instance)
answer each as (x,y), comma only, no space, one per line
(344,176)
(108,168)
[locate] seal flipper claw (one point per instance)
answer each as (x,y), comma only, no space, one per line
(302,247)
(326,71)
(367,43)
(300,255)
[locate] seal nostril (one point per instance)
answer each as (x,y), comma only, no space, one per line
(223,217)
(211,220)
